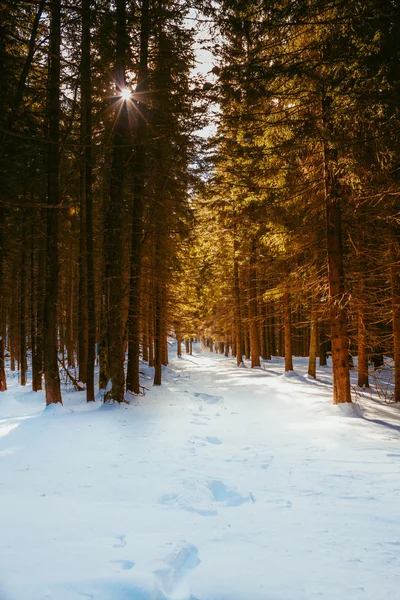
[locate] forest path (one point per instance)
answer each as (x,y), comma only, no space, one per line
(223,483)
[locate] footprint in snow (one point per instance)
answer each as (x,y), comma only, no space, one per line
(189,500)
(206,440)
(213,440)
(197,422)
(226,496)
(208,398)
(125,565)
(170,578)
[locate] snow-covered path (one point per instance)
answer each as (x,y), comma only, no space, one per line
(223,484)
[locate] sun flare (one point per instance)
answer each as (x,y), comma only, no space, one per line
(125,94)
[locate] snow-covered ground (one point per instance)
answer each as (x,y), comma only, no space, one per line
(223,484)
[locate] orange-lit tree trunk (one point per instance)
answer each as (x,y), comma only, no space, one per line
(287,321)
(312,361)
(238,320)
(337,291)
(254,333)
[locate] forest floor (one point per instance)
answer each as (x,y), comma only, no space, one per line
(223,484)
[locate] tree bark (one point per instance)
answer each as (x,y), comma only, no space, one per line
(178,345)
(312,361)
(22,305)
(37,370)
(362,347)
(3,380)
(113,238)
(87,181)
(337,293)
(288,332)
(254,333)
(50,337)
(395,286)
(132,379)
(238,320)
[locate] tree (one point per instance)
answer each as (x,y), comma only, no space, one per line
(50,345)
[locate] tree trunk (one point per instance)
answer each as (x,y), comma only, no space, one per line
(157,333)
(362,346)
(254,334)
(312,361)
(114,222)
(83,333)
(37,371)
(178,345)
(288,332)
(337,295)
(146,313)
(22,306)
(34,301)
(3,380)
(50,337)
(395,286)
(103,353)
(87,201)
(132,379)
(238,320)
(322,346)
(227,344)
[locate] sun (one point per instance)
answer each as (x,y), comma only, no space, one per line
(125,94)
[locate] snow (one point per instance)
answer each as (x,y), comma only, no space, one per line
(223,484)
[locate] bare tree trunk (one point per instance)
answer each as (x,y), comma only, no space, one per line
(104,344)
(86,86)
(3,380)
(312,361)
(132,378)
(238,320)
(362,347)
(157,328)
(288,332)
(227,344)
(145,302)
(178,345)
(34,301)
(322,346)
(22,306)
(50,345)
(151,326)
(254,334)
(395,285)
(82,288)
(338,316)
(113,238)
(37,371)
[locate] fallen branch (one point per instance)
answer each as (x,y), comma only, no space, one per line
(78,387)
